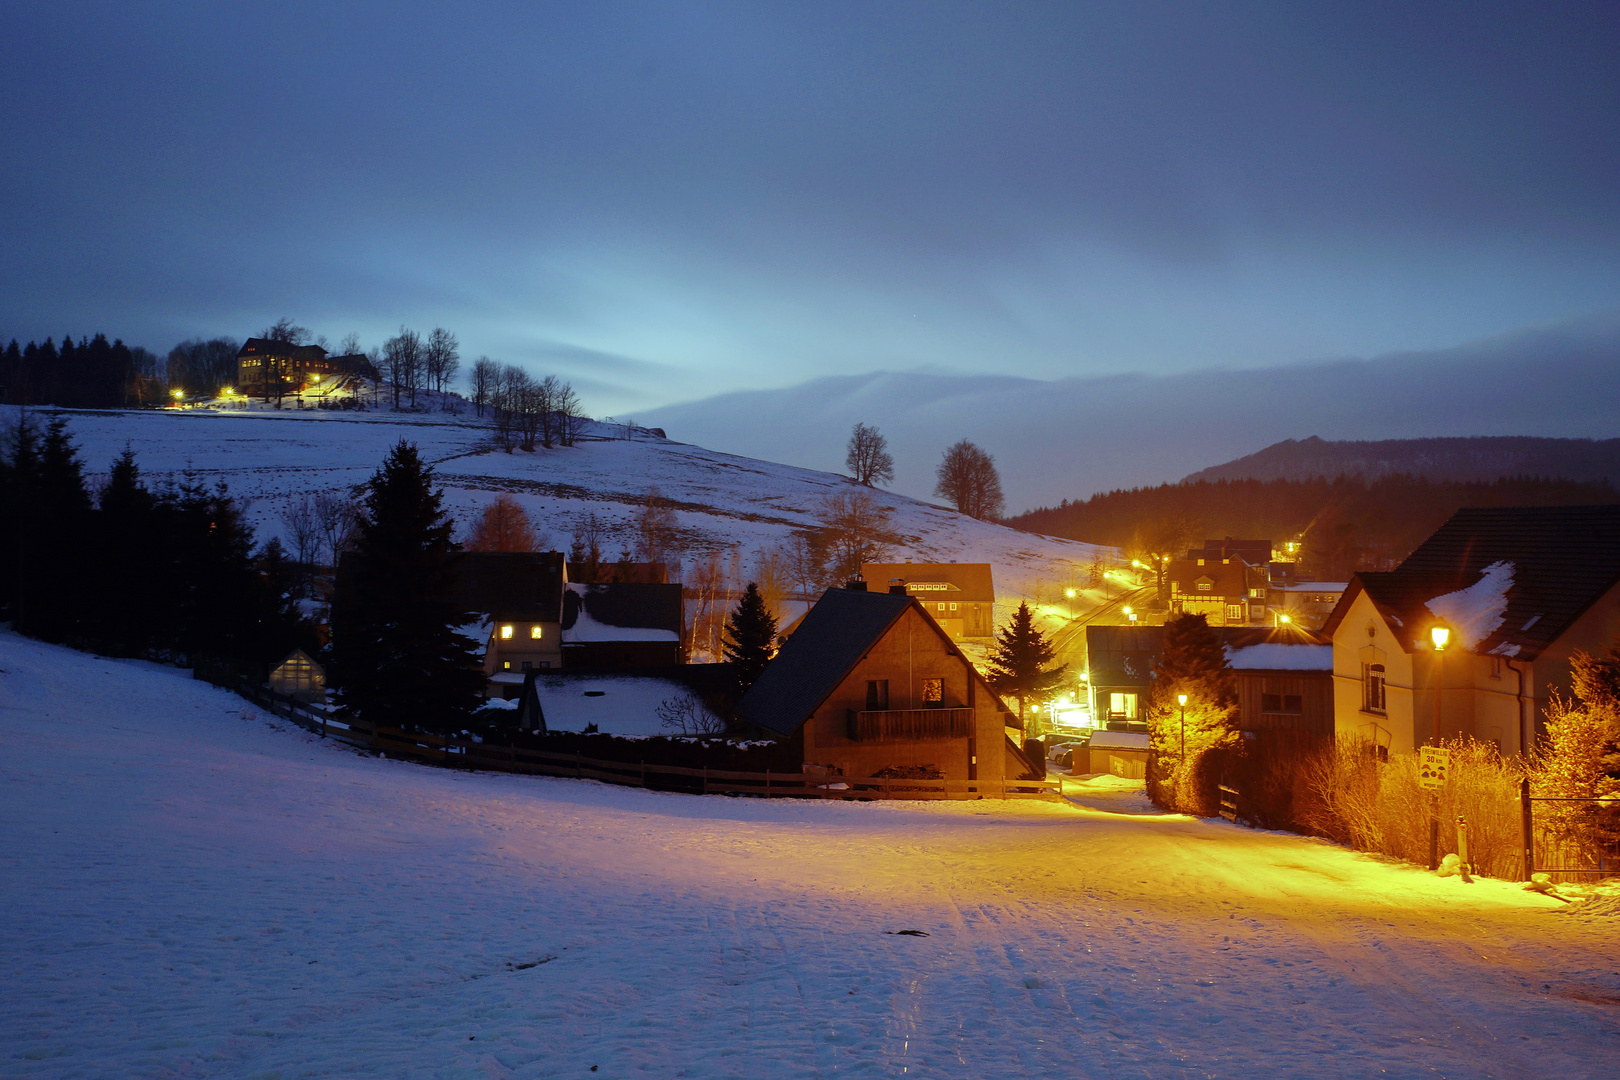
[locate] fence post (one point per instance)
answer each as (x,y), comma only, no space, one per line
(705,779)
(1527,829)
(767,783)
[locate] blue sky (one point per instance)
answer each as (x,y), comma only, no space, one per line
(662,201)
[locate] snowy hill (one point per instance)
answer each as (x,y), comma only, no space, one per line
(724,503)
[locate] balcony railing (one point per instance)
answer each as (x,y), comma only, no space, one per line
(907,725)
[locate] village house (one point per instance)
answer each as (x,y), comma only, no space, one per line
(266,368)
(1515,591)
(518,598)
(1283,675)
(622,625)
(1224,588)
(961,597)
(870,681)
(1306,604)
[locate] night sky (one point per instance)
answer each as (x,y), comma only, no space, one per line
(665,201)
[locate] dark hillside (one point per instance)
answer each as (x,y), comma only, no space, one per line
(1462,459)
(1345,524)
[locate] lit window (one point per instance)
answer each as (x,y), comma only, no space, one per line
(953,607)
(933,693)
(506,633)
(506,665)
(942,607)
(1205,586)
(534,632)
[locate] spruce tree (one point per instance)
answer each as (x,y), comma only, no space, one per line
(397,658)
(1018,662)
(54,527)
(750,637)
(125,559)
(19,476)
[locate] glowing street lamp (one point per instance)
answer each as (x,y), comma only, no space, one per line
(1070,594)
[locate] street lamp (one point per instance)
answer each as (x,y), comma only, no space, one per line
(1440,633)
(1182,699)
(1070,594)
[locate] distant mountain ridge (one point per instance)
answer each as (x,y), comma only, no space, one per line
(1460,459)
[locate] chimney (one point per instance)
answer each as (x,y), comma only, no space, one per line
(856,584)
(897,586)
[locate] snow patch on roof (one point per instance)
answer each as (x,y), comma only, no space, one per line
(1475,612)
(1279,656)
(1119,740)
(586,628)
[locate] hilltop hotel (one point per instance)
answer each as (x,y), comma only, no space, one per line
(266,368)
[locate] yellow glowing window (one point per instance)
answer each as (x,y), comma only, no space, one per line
(506,633)
(534,632)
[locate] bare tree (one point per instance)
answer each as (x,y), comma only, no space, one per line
(568,417)
(486,376)
(686,714)
(545,408)
(656,529)
(806,562)
(304,530)
(503,526)
(868,459)
(773,575)
(336,516)
(857,529)
(286,331)
(402,363)
(586,550)
(350,345)
(967,477)
(441,358)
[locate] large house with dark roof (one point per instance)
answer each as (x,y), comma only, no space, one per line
(267,368)
(870,681)
(1518,589)
(961,597)
(625,624)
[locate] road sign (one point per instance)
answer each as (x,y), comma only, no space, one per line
(1434,763)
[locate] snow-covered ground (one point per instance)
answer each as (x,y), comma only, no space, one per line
(191,889)
(723,503)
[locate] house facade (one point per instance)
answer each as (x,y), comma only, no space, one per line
(961,597)
(1226,590)
(266,368)
(1517,589)
(870,681)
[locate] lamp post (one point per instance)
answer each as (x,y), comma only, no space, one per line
(1440,633)
(1070,594)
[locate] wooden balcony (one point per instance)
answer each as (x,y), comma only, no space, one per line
(909,725)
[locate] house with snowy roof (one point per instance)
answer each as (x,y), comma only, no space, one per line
(625,624)
(871,681)
(1516,589)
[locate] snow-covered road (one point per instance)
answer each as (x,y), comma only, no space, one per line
(189,889)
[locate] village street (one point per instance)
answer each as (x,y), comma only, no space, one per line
(191,889)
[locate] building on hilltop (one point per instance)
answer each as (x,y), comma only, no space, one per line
(961,597)
(1517,589)
(267,368)
(870,681)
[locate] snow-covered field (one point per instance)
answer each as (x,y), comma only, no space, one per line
(723,503)
(191,889)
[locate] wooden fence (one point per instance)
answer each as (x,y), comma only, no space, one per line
(494,757)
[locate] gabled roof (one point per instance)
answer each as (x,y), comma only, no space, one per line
(1563,560)
(836,634)
(962,581)
(621,611)
(258,346)
(511,584)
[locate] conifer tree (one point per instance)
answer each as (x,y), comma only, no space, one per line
(1018,662)
(1578,758)
(19,475)
(126,559)
(397,658)
(1193,662)
(750,636)
(53,527)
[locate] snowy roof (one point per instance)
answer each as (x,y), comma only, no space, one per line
(1119,740)
(971,581)
(616,704)
(1510,580)
(1279,656)
(1316,586)
(622,611)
